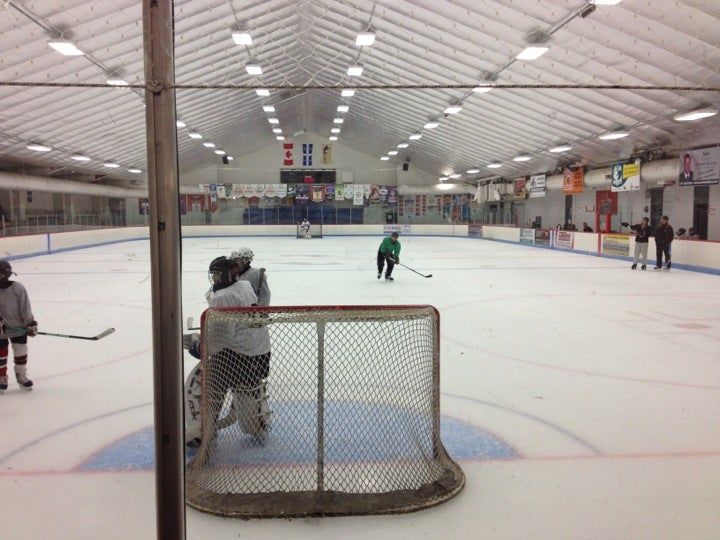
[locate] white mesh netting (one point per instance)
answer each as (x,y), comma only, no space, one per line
(320,411)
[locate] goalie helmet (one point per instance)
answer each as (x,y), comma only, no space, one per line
(220,273)
(243,255)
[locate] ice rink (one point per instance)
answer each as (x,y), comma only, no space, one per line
(583,398)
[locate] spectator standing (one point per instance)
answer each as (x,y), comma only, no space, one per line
(642,234)
(664,236)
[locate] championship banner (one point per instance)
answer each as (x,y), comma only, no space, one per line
(196,203)
(542,237)
(366,190)
(339,192)
(238,190)
(527,236)
(573,181)
(330,192)
(625,177)
(302,194)
(221,191)
(359,195)
(374,193)
(383,194)
(520,188)
(392,195)
(536,185)
(349,191)
(281,190)
(616,244)
(271,190)
(291,190)
(700,167)
(564,239)
(475,231)
(143,207)
(389,228)
(327,154)
(318,193)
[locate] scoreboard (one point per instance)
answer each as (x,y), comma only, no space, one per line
(307,176)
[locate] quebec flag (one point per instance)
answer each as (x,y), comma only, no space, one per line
(307,149)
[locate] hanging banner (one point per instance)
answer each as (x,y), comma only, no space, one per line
(271,190)
(196,203)
(564,239)
(392,195)
(536,185)
(616,244)
(573,181)
(307,155)
(318,193)
(326,154)
(291,190)
(520,188)
(221,191)
(366,190)
(374,193)
(330,192)
(606,202)
(302,194)
(700,167)
(625,176)
(281,190)
(237,190)
(288,154)
(349,191)
(359,195)
(383,194)
(143,207)
(527,236)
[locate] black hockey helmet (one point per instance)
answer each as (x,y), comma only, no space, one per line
(5,271)
(220,272)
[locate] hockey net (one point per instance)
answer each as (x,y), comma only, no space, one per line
(314,232)
(344,419)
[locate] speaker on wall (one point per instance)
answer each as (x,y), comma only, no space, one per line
(225,160)
(406,166)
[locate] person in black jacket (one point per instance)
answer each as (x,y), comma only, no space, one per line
(642,233)
(663,238)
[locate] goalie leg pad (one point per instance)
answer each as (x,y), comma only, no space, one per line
(193,394)
(252,409)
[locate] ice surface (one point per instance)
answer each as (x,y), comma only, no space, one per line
(604,382)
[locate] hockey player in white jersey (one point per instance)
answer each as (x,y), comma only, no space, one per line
(238,361)
(255,276)
(305,228)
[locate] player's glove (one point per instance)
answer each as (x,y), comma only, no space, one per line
(32,329)
(625,224)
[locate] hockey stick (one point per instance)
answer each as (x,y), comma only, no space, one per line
(418,273)
(101,335)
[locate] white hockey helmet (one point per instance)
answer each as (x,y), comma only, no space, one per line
(243,254)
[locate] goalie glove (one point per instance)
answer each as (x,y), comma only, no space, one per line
(32,328)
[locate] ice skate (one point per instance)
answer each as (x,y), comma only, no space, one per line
(389,278)
(634,266)
(22,379)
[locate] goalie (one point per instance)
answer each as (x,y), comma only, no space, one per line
(305,228)
(237,362)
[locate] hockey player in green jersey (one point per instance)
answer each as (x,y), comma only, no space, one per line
(389,252)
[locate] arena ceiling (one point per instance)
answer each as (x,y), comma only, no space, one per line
(311,43)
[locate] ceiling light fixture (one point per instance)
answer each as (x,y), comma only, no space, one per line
(80,157)
(611,136)
(38,147)
(443,178)
(494,165)
(532,53)
(220,152)
(277,130)
(273,120)
(415,136)
(347,92)
(194,135)
(523,157)
(605,2)
(384,158)
(114,80)
(365,39)
(482,89)
(280,137)
(561,148)
(134,171)
(472,171)
(403,145)
(333,138)
(180,123)
(695,115)
(262,92)
(268,108)
(453,109)
(393,153)
(242,38)
(343,108)
(209,145)
(338,120)
(253,69)
(455,175)
(65,47)
(111,165)
(355,71)
(335,130)
(431,125)
(444,187)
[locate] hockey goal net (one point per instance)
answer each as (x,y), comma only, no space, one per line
(318,411)
(314,232)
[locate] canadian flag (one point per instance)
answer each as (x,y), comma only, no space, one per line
(287,153)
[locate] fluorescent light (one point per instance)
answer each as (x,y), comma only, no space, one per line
(384,158)
(38,147)
(605,2)
(347,93)
(444,186)
(111,165)
(403,145)
(454,176)
(472,171)
(80,157)
(116,81)
(220,152)
(134,171)
(611,136)
(277,130)
(431,125)
(180,123)
(242,38)
(273,120)
(561,148)
(532,53)
(194,135)
(494,165)
(262,92)
(209,145)
(333,138)
(230,158)
(338,120)
(268,108)
(482,89)
(522,158)
(393,153)
(453,109)
(355,71)
(335,130)
(443,178)
(65,47)
(415,136)
(343,108)
(365,39)
(280,137)
(253,69)
(696,115)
